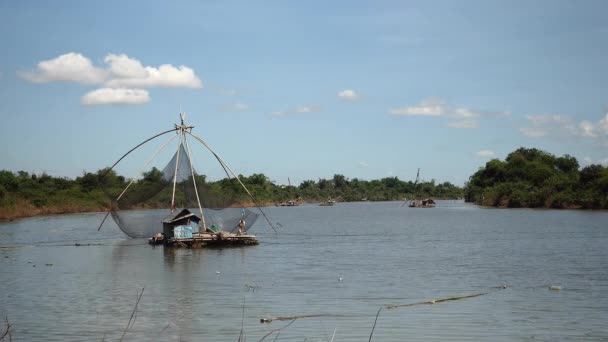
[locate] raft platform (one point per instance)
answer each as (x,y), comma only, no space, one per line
(198,240)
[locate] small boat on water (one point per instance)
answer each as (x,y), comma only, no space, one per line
(290,203)
(328,203)
(422,203)
(418,202)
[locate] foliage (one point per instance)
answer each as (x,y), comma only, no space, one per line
(96,191)
(533,178)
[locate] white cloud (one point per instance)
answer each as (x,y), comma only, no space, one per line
(348,94)
(463,113)
(363,164)
(532,132)
(486,154)
(70,67)
(588,161)
(587,129)
(544,125)
(129,72)
(307,109)
(461,117)
(602,125)
(430,107)
(563,126)
(123,77)
(123,66)
(121,71)
(235,107)
(106,96)
(303,109)
(548,119)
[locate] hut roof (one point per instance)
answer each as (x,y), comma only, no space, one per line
(185,213)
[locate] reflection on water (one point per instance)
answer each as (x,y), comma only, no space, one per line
(64,281)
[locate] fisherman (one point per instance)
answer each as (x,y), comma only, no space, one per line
(241,226)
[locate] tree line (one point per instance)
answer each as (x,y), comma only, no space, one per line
(528,177)
(533,178)
(25,194)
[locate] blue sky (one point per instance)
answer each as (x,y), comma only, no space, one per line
(304,90)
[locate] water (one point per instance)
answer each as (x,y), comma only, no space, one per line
(383,254)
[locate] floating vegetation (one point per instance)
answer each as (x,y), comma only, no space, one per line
(435,301)
(288,318)
(132,318)
(6,335)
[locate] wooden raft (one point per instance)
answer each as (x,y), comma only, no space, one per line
(220,239)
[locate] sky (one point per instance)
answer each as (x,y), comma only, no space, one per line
(302,90)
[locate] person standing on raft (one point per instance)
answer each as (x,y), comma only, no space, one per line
(241,226)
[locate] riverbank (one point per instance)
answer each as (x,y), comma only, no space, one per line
(508,203)
(23,209)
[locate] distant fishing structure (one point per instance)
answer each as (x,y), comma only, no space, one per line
(418,202)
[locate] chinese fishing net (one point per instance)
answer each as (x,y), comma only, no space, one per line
(160,194)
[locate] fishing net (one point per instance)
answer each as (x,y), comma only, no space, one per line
(161,193)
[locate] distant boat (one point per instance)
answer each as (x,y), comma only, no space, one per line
(290,203)
(422,203)
(418,202)
(328,203)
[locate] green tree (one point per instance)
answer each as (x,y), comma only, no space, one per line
(533,178)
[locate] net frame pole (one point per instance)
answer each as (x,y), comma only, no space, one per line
(179,145)
(198,200)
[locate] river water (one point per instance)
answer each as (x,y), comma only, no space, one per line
(61,280)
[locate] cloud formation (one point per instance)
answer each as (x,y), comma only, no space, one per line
(588,161)
(460,117)
(591,130)
(123,78)
(71,67)
(306,109)
(486,154)
(303,109)
(107,96)
(348,95)
(129,72)
(559,125)
(429,107)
